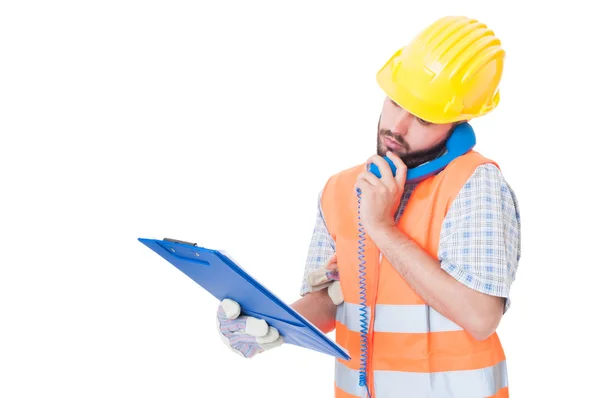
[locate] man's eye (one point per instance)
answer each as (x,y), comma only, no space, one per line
(425,122)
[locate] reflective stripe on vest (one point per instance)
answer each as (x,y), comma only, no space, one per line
(419,318)
(478,383)
(413,339)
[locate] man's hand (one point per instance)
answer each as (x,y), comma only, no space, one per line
(246,336)
(380,197)
(328,277)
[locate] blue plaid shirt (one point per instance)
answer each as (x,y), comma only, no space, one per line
(480,240)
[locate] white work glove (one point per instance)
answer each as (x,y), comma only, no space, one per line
(245,335)
(328,277)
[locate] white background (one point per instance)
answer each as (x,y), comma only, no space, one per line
(218,123)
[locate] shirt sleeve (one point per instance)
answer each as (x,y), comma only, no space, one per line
(321,248)
(480,242)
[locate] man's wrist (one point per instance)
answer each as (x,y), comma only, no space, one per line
(385,233)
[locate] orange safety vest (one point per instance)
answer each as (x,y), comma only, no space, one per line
(413,351)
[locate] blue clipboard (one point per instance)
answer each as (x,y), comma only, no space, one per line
(222,277)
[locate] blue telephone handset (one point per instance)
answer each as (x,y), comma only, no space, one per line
(460,142)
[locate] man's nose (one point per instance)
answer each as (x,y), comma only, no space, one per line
(402,122)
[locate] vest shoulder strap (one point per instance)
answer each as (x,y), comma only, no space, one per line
(431,200)
(336,193)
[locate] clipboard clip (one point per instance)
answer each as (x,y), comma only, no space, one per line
(179,241)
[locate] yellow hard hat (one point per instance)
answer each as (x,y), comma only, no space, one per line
(449,72)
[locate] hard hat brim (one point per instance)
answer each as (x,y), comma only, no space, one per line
(445,111)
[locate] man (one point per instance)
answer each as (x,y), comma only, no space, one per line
(439,256)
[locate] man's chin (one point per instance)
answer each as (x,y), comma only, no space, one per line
(382,151)
(414,159)
(405,157)
(410,160)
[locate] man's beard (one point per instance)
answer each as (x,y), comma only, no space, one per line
(412,158)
